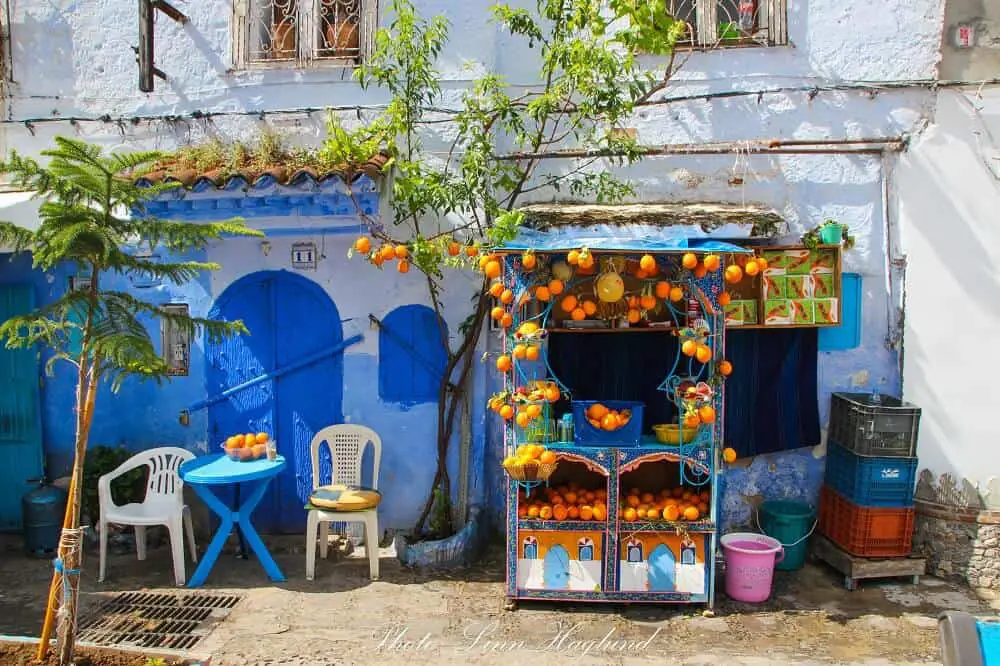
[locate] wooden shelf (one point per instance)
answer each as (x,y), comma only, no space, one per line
(646,329)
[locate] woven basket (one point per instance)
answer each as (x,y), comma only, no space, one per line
(530,471)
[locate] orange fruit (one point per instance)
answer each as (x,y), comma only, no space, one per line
(671,512)
(609,422)
(676,294)
(594,423)
(261,438)
(662,290)
(647,263)
(600,513)
(597,411)
(634,316)
(387,252)
(249,439)
(559,512)
(641,274)
(547,457)
(401,252)
(725,298)
(725,368)
(585,261)
(677,492)
(700,271)
(552,393)
(504,363)
(497,313)
(707,414)
(578,314)
(363,245)
(496,289)
(454,248)
(729,455)
(522,419)
(703,353)
(632,500)
(377,259)
(483,260)
(520,351)
(533,511)
(492,268)
(573,258)
(259,450)
(692,420)
(531,353)
(232,442)
(762,263)
(703,508)
(689,347)
(522,511)
(646,498)
(629,515)
(556,287)
(691,513)
(507,297)
(733,274)
(507,320)
(572,513)
(403,267)
(647,302)
(568,303)
(752,268)
(590,308)
(711,262)
(586,512)
(545,512)
(543,294)
(533,411)
(689,260)
(471,250)
(506,412)
(528,261)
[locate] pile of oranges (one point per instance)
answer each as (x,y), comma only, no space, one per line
(668,504)
(530,462)
(606,419)
(564,502)
(247,447)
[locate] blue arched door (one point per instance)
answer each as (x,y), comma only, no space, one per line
(290,318)
(555,569)
(662,574)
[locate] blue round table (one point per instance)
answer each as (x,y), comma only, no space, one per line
(218,470)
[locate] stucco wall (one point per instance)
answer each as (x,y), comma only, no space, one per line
(979,60)
(74,59)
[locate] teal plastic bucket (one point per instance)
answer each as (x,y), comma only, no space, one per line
(790,522)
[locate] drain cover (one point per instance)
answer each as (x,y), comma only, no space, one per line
(153,620)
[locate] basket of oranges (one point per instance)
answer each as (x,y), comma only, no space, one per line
(530,462)
(251,446)
(612,422)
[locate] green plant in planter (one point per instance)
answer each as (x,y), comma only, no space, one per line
(830,232)
(129,487)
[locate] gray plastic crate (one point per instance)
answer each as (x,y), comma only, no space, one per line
(887,427)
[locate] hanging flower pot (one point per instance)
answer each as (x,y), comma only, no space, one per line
(831,233)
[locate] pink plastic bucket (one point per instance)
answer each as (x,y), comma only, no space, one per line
(750,560)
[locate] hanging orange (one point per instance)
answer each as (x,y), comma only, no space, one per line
(506,412)
(507,297)
(689,260)
(522,419)
(676,294)
(556,287)
(388,253)
(712,262)
(519,352)
(403,266)
(492,269)
(471,250)
(363,245)
(689,347)
(552,393)
(531,353)
(585,260)
(496,289)
(647,302)
(377,259)
(700,271)
(528,261)
(507,320)
(454,248)
(733,274)
(568,304)
(725,298)
(703,353)
(641,274)
(752,268)
(543,294)
(725,368)
(401,252)
(497,313)
(634,316)
(573,258)
(762,263)
(534,411)
(647,263)
(692,420)
(707,414)
(504,363)
(589,307)
(663,290)
(483,260)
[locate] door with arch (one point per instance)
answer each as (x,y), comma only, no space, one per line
(662,569)
(290,319)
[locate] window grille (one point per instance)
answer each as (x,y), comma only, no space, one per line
(732,22)
(299,33)
(175,346)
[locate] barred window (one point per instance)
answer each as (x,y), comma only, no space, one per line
(733,22)
(296,33)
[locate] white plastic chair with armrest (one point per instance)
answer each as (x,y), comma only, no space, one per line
(162,505)
(347,444)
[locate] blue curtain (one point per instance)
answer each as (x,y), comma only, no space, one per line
(772,402)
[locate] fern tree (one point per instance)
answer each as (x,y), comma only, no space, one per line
(91,214)
(590,81)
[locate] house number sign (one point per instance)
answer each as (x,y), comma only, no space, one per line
(304,256)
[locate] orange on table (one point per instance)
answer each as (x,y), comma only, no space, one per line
(560,512)
(522,511)
(632,500)
(646,498)
(262,437)
(533,511)
(600,512)
(588,495)
(647,302)
(232,443)
(703,507)
(590,307)
(609,422)
(634,316)
(677,492)
(597,411)
(595,423)
(662,290)
(259,450)
(363,245)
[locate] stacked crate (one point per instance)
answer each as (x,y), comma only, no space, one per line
(866,503)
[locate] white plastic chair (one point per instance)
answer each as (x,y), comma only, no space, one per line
(162,505)
(347,445)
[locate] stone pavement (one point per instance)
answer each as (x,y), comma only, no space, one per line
(408,617)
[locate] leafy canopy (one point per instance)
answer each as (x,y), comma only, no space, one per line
(92,213)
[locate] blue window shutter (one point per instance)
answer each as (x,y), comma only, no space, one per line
(848,334)
(412,357)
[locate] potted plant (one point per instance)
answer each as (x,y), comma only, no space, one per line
(830,232)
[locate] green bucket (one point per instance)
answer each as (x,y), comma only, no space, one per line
(790,522)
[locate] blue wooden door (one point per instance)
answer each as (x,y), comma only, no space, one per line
(555,569)
(662,575)
(289,318)
(20,413)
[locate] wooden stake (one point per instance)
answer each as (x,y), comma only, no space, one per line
(50,609)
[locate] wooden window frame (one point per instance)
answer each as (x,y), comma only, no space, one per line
(308,11)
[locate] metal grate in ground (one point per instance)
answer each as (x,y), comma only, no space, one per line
(175,621)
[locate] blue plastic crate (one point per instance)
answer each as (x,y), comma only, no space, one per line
(585,434)
(871,481)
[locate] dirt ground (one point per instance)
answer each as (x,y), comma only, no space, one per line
(458,618)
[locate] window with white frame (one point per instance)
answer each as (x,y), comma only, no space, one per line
(292,33)
(733,22)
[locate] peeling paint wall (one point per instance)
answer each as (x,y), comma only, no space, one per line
(75,59)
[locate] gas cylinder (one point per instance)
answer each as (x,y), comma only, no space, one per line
(43,510)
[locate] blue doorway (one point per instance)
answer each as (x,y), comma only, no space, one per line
(555,569)
(662,574)
(290,318)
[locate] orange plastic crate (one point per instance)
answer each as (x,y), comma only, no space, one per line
(864,531)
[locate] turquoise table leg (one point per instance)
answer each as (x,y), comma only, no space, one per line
(229,518)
